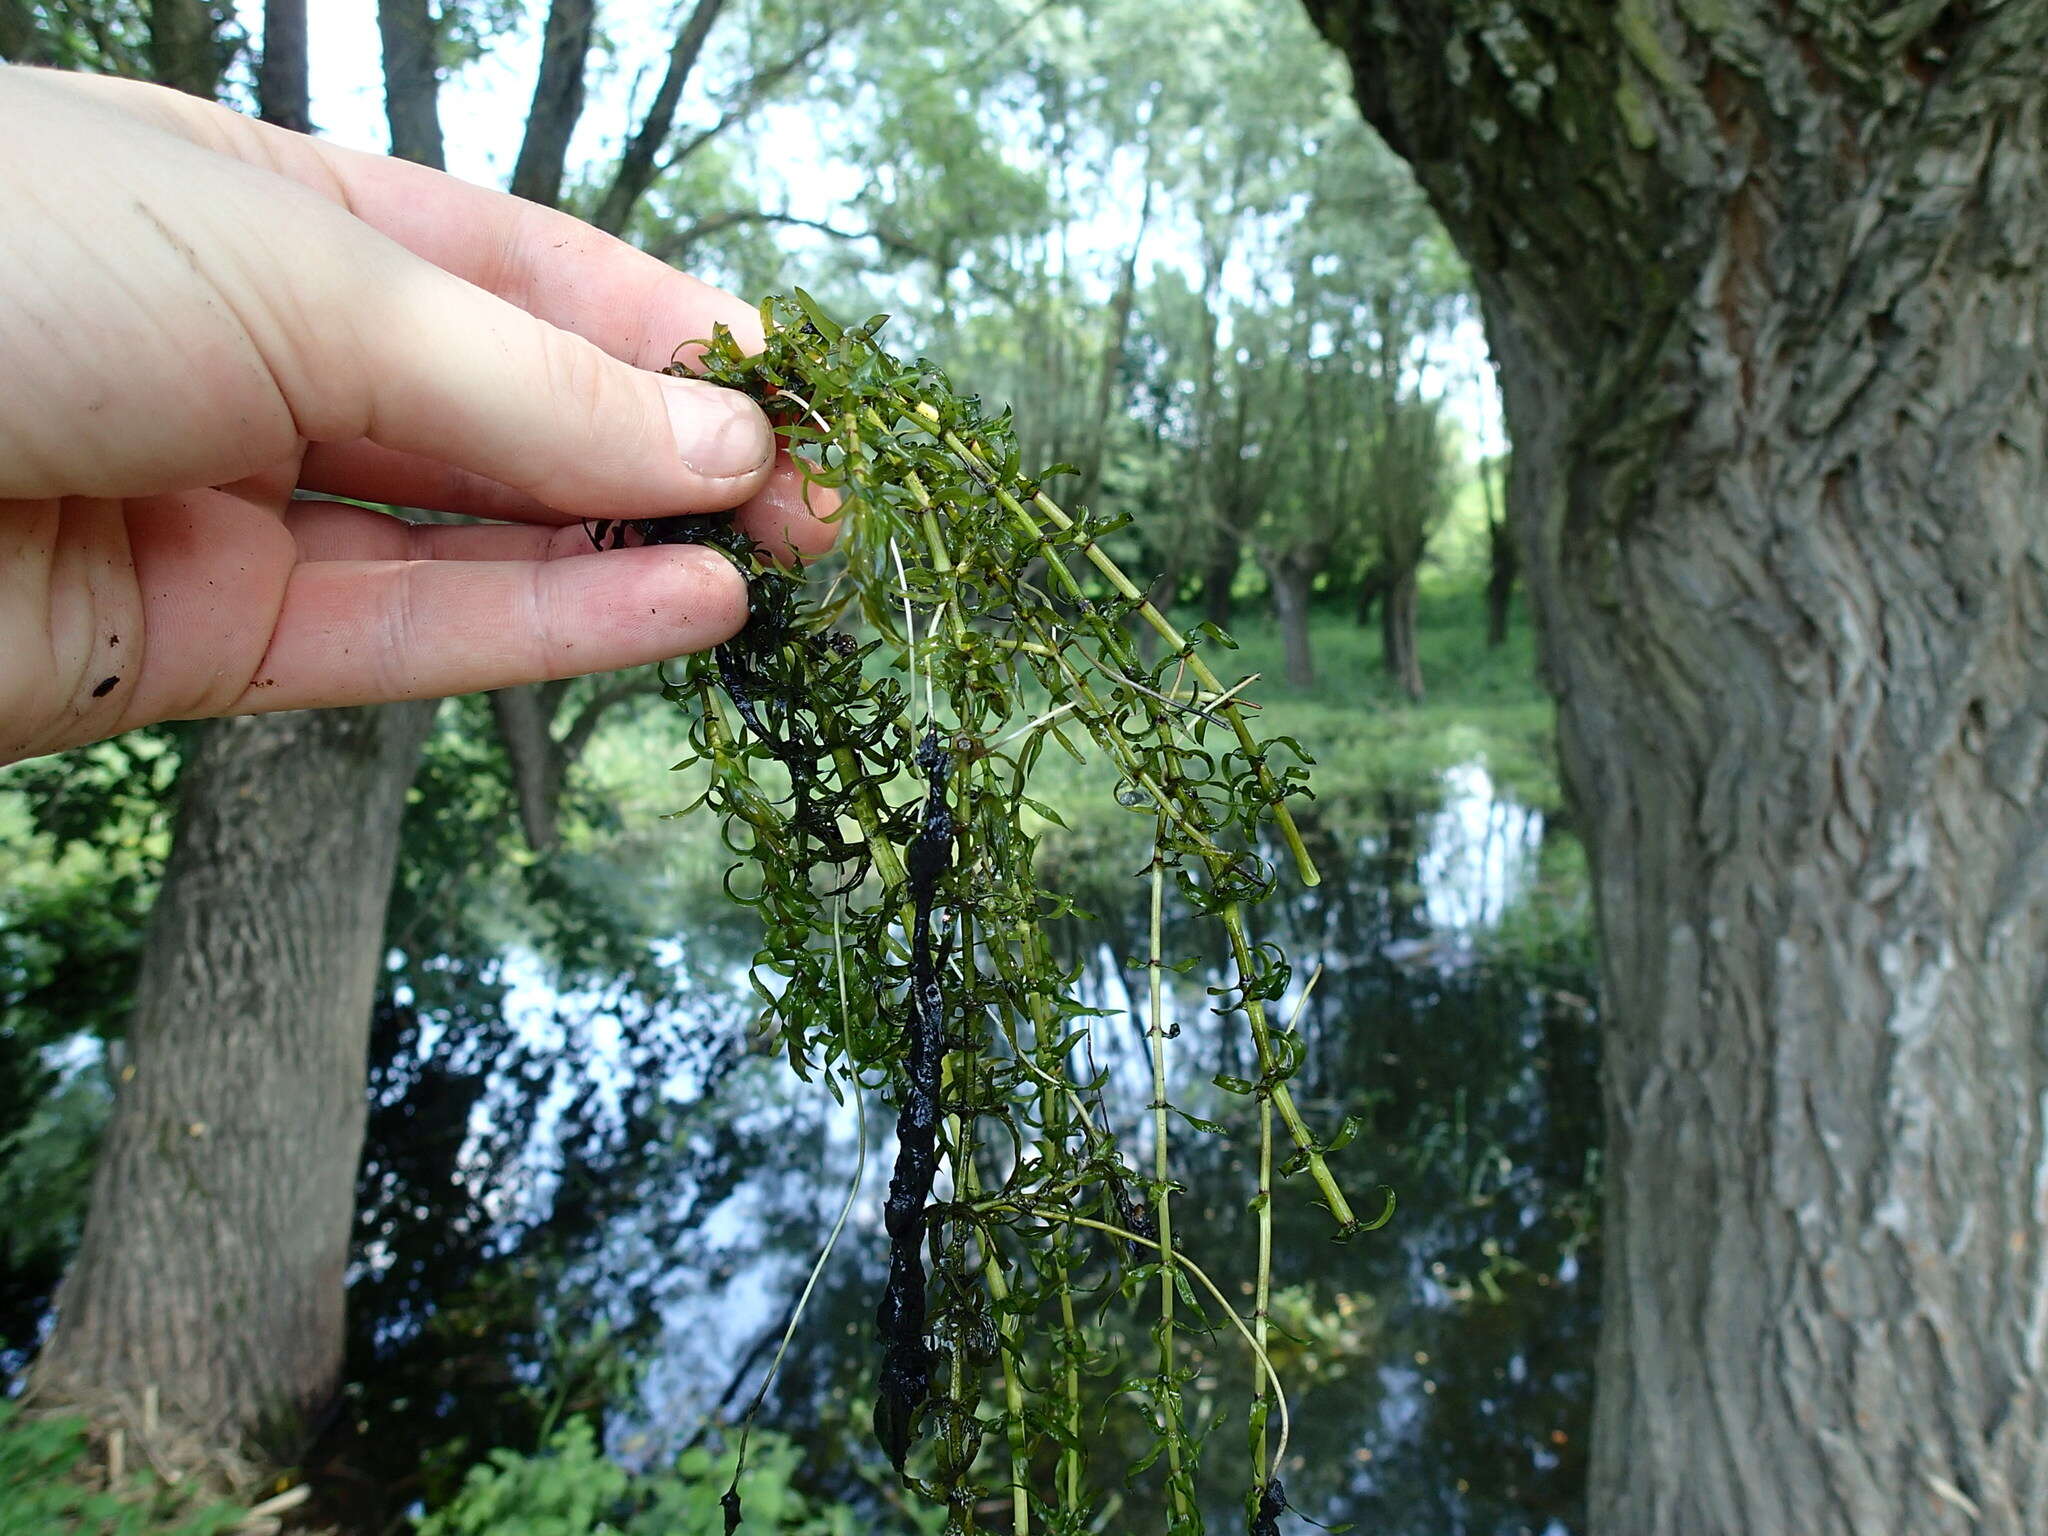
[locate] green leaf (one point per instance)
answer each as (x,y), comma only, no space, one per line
(829,328)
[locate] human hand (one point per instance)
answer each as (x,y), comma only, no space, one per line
(202,313)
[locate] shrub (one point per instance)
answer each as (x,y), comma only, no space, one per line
(46,1488)
(571,1488)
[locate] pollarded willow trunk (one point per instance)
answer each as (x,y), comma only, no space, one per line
(1400,653)
(1219,580)
(1765,284)
(1503,564)
(210,1275)
(1291,578)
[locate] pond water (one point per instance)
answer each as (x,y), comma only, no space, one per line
(543,1166)
(1439,1369)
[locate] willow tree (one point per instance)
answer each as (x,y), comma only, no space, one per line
(1765,285)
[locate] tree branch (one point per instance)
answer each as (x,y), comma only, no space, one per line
(675,246)
(636,684)
(754,94)
(636,169)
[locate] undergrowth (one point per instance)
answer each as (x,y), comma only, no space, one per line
(53,1482)
(573,1489)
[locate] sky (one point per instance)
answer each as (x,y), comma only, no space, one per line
(483,107)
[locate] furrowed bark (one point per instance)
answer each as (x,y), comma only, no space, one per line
(210,1274)
(1764,283)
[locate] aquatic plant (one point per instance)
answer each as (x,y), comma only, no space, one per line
(869,743)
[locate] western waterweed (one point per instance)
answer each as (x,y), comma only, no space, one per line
(869,745)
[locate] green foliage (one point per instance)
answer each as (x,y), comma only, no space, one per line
(530,1192)
(103,36)
(43,1492)
(572,1489)
(881,799)
(82,842)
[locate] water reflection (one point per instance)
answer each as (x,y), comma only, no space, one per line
(1440,1368)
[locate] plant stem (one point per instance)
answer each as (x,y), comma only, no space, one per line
(1304,865)
(1013,1390)
(1262,1304)
(1182,1261)
(1255,1010)
(1162,1202)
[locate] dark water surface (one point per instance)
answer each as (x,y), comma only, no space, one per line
(1439,1369)
(605,1203)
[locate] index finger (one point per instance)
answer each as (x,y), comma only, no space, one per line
(552,265)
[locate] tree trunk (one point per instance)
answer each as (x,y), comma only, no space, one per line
(1291,579)
(1399,653)
(1160,594)
(557,101)
(1219,581)
(281,89)
(211,1268)
(523,717)
(412,80)
(185,46)
(1778,478)
(1502,570)
(1372,586)
(22,37)
(1504,565)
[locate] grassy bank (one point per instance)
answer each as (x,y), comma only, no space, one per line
(1481,702)
(1483,705)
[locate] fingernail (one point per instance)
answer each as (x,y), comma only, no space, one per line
(720,433)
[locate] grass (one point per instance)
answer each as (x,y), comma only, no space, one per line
(1483,704)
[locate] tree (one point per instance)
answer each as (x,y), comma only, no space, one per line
(639,164)
(411,36)
(281,83)
(195,1280)
(210,1270)
(1407,487)
(557,100)
(1764,286)
(191,44)
(1503,557)
(246,1045)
